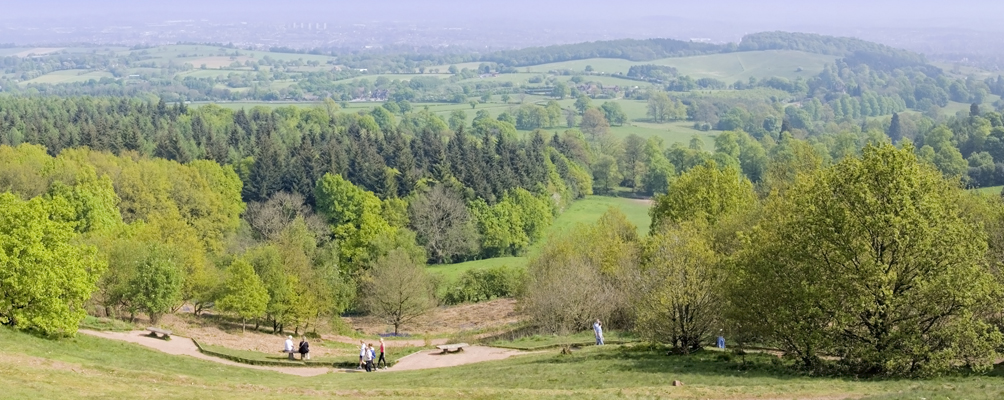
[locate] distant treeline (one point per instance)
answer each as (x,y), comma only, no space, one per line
(645,50)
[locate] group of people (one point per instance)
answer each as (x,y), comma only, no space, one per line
(367,356)
(303,348)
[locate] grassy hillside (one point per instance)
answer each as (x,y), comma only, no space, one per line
(990,190)
(728,67)
(585,211)
(69,76)
(88,367)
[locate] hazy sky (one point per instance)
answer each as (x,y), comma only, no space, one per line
(774,12)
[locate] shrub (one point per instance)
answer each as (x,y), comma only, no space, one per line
(485,284)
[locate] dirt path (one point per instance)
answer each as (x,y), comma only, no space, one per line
(433,359)
(425,359)
(185,347)
(390,342)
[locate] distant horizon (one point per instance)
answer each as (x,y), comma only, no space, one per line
(923,26)
(920,13)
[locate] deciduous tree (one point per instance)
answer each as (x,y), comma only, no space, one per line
(45,278)
(871,259)
(443,224)
(246,295)
(397,289)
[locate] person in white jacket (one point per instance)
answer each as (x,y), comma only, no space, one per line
(288,349)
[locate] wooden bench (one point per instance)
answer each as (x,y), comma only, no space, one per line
(452,348)
(164,333)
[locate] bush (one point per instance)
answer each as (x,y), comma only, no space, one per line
(485,284)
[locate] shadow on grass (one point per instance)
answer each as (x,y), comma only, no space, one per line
(655,360)
(651,359)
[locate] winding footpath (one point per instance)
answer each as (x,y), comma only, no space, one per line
(182,346)
(425,359)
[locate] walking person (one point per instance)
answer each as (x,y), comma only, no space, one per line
(598,331)
(288,348)
(382,352)
(368,357)
(721,339)
(362,354)
(304,349)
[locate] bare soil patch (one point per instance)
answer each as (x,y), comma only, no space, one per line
(447,320)
(182,346)
(435,359)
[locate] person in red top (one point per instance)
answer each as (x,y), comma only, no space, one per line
(382,359)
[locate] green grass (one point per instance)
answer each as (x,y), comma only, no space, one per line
(106,324)
(585,338)
(590,209)
(452,272)
(727,67)
(350,357)
(69,76)
(990,190)
(88,367)
(585,211)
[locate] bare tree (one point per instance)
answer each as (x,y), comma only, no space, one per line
(443,224)
(397,289)
(270,218)
(583,276)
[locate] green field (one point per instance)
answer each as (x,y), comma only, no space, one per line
(990,190)
(585,211)
(88,367)
(69,76)
(727,67)
(585,338)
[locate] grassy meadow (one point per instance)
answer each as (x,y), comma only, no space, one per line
(585,211)
(69,76)
(727,67)
(990,190)
(89,367)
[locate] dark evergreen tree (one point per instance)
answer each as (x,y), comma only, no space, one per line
(170,146)
(302,170)
(265,175)
(895,131)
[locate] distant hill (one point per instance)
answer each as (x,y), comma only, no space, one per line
(628,49)
(854,50)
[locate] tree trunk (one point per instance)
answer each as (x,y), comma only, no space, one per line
(243,324)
